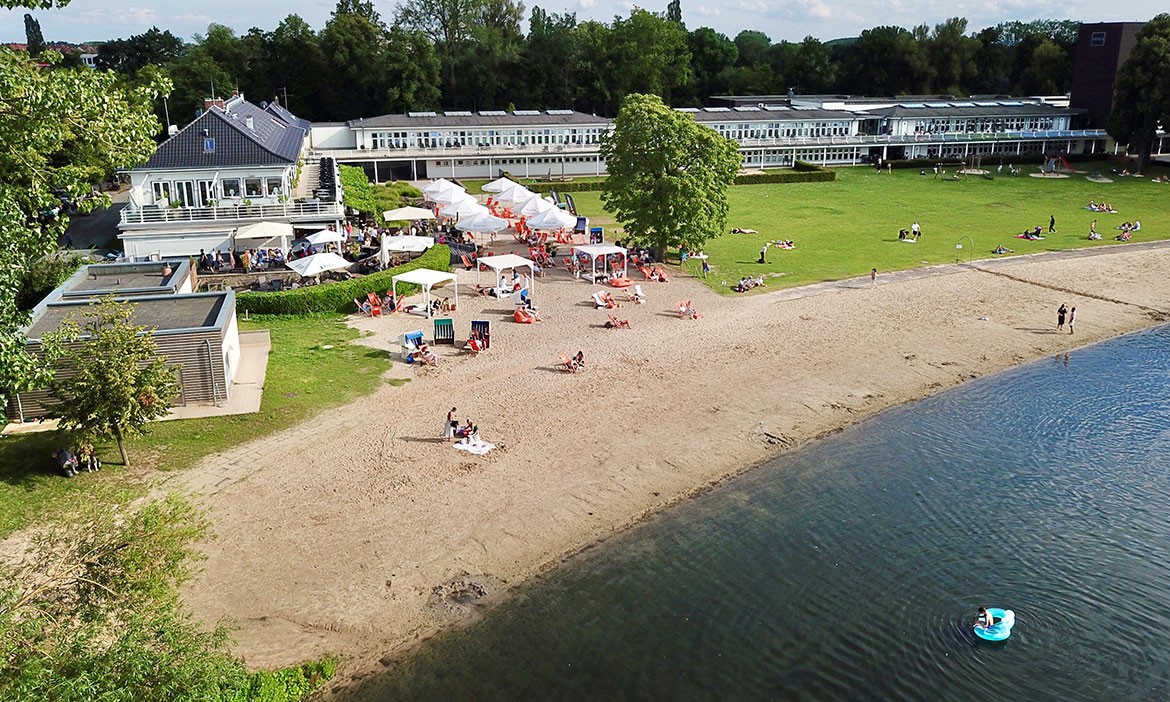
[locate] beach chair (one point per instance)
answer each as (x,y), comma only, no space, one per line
(467,262)
(445,331)
(598,302)
(615,323)
(566,364)
(411,340)
(375,304)
(362,307)
(483,330)
(635,295)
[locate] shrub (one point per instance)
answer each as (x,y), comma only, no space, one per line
(821,175)
(339,297)
(45,274)
(568,186)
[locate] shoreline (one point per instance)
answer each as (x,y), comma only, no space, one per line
(331,560)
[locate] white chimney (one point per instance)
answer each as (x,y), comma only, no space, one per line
(248,121)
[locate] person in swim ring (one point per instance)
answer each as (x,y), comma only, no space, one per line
(984,618)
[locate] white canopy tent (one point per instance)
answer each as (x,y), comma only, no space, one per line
(498,185)
(447,197)
(437,186)
(481,223)
(426,279)
(315,265)
(325,236)
(533,206)
(593,251)
(463,208)
(507,262)
(401,244)
(515,194)
(555,218)
(263,235)
(407,214)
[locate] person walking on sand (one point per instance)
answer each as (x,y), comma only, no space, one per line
(450,425)
(1060,313)
(1051,224)
(872,277)
(1072,319)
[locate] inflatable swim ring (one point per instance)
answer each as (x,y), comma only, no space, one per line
(1004,619)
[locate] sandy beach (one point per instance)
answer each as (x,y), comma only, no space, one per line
(361,531)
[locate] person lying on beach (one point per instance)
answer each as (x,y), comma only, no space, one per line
(579,359)
(1001,249)
(739,230)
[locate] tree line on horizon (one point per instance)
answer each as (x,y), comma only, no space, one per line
(474,55)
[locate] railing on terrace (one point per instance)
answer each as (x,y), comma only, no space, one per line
(894,139)
(152,214)
(471,151)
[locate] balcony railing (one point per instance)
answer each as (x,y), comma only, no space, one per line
(290,211)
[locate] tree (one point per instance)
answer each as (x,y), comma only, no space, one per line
(952,54)
(412,70)
(1141,96)
(668,175)
(549,57)
(151,48)
(33,35)
(94,613)
(62,129)
(110,380)
(674,13)
(450,24)
(650,54)
(354,46)
(1049,72)
(713,57)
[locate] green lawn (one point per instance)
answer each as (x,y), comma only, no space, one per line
(303,379)
(844,228)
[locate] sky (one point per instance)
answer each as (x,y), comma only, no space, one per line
(792,20)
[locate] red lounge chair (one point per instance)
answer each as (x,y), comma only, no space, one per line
(375,304)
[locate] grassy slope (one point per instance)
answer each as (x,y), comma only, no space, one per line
(303,379)
(844,228)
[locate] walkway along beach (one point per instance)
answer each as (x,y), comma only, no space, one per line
(361,531)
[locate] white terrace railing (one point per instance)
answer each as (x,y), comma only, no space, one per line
(289,211)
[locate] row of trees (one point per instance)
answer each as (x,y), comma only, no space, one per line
(474,54)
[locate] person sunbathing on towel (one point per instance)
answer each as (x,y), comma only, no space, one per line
(429,357)
(579,359)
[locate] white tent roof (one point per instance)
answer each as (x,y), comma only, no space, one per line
(317,264)
(505,262)
(408,214)
(552,219)
(463,208)
(325,236)
(498,185)
(516,194)
(438,186)
(264,230)
(533,206)
(407,243)
(427,278)
(595,251)
(483,222)
(446,197)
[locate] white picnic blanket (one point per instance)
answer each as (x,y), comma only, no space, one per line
(477,446)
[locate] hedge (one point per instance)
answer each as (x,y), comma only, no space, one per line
(339,296)
(818,176)
(568,186)
(990,161)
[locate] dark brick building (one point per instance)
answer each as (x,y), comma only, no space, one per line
(1101,49)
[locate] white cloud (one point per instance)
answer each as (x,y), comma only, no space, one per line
(586,4)
(754,6)
(705,11)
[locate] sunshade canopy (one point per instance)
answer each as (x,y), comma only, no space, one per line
(426,278)
(554,218)
(498,185)
(407,214)
(481,223)
(265,234)
(506,262)
(317,264)
(325,236)
(440,185)
(595,251)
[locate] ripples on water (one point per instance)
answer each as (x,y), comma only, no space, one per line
(850,570)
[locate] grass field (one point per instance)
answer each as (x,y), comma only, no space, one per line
(844,228)
(303,379)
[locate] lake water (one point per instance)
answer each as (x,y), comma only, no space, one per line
(851,569)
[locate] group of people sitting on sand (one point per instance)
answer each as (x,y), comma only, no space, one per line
(746,284)
(1101,207)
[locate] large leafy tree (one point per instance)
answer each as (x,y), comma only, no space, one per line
(451,25)
(33,35)
(1141,98)
(151,48)
(651,53)
(354,44)
(412,69)
(62,130)
(549,55)
(952,54)
(668,174)
(713,57)
(110,380)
